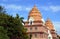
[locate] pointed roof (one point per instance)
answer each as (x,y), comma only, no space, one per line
(35,13)
(34,9)
(49,24)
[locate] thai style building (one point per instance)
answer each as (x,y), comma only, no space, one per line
(52,31)
(37,28)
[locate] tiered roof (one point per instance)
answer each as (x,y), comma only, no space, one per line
(35,14)
(49,24)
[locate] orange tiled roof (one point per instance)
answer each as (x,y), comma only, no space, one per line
(35,14)
(49,24)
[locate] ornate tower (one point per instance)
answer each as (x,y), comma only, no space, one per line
(35,14)
(50,26)
(35,25)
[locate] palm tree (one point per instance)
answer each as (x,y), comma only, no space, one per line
(2,10)
(21,18)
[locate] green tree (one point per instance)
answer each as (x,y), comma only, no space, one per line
(2,10)
(13,26)
(3,33)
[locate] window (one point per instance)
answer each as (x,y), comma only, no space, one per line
(35,28)
(35,35)
(30,22)
(30,28)
(30,36)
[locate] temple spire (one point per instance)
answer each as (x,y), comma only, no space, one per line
(35,13)
(49,24)
(35,6)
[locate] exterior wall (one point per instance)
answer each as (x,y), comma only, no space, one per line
(39,25)
(38,29)
(54,35)
(40,35)
(34,23)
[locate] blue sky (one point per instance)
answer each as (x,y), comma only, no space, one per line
(48,8)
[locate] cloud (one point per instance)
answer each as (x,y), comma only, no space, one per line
(16,7)
(55,8)
(25,20)
(26,8)
(51,8)
(44,8)
(57,26)
(13,9)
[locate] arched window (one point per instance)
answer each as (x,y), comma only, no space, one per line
(35,35)
(35,28)
(30,22)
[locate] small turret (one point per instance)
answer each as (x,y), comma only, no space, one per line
(49,24)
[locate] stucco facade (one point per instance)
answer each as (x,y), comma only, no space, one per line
(37,27)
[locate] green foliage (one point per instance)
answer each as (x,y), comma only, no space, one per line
(2,10)
(13,26)
(3,33)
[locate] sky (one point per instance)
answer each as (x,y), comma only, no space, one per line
(48,8)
